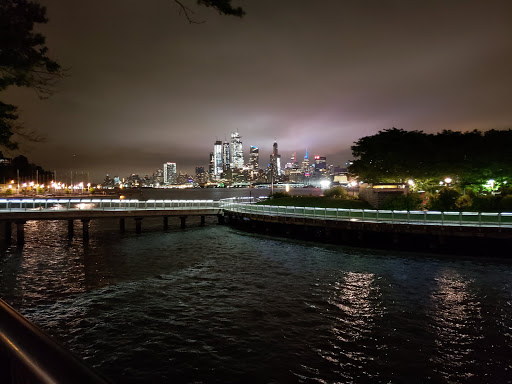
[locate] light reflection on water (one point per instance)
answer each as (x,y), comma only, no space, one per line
(217,305)
(456,317)
(357,298)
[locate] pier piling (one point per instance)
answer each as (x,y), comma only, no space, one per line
(71,229)
(183,219)
(138,224)
(7,231)
(85,229)
(20,232)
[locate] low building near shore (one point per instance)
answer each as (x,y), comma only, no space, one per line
(375,194)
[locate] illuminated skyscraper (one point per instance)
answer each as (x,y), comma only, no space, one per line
(320,164)
(217,159)
(254,158)
(275,161)
(170,175)
(211,166)
(226,158)
(237,155)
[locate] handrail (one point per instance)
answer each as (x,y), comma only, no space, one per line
(26,205)
(29,355)
(473,219)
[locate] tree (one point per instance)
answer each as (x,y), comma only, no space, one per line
(470,159)
(23,59)
(224,7)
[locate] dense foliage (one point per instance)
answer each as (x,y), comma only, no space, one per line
(20,166)
(23,58)
(469,158)
(401,202)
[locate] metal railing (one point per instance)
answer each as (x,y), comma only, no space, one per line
(480,219)
(28,355)
(10,205)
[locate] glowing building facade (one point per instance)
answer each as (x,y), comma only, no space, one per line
(170,174)
(237,154)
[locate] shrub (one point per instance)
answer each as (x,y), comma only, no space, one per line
(464,202)
(445,200)
(336,192)
(409,202)
(506,203)
(279,195)
(9,191)
(486,203)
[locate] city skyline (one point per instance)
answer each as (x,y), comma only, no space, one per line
(144,86)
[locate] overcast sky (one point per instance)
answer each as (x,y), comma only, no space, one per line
(145,87)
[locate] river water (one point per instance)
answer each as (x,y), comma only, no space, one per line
(216,305)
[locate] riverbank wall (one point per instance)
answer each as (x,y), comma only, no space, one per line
(444,239)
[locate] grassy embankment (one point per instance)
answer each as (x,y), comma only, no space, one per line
(317,201)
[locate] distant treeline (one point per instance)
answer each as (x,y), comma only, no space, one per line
(470,158)
(27,171)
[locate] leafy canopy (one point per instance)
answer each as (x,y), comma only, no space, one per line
(23,58)
(469,158)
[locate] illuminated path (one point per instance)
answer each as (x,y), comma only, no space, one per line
(18,211)
(350,226)
(468,233)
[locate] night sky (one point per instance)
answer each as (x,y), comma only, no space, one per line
(145,87)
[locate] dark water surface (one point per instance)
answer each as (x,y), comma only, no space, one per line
(216,305)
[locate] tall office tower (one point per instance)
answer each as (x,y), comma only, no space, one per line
(254,158)
(211,166)
(305,164)
(217,159)
(275,161)
(226,158)
(320,164)
(170,176)
(237,155)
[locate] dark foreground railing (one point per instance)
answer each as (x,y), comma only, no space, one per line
(28,355)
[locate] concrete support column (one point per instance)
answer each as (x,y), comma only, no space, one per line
(7,231)
(85,229)
(20,232)
(71,228)
(220,219)
(138,224)
(202,220)
(121,225)
(166,223)
(183,219)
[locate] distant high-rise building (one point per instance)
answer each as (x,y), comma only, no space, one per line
(237,155)
(254,158)
(275,161)
(320,164)
(211,166)
(226,156)
(170,175)
(305,164)
(217,159)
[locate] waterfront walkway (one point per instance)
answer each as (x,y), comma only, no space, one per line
(18,211)
(466,224)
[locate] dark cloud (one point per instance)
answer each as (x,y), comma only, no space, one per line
(146,87)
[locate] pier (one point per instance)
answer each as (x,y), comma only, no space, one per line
(18,211)
(470,233)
